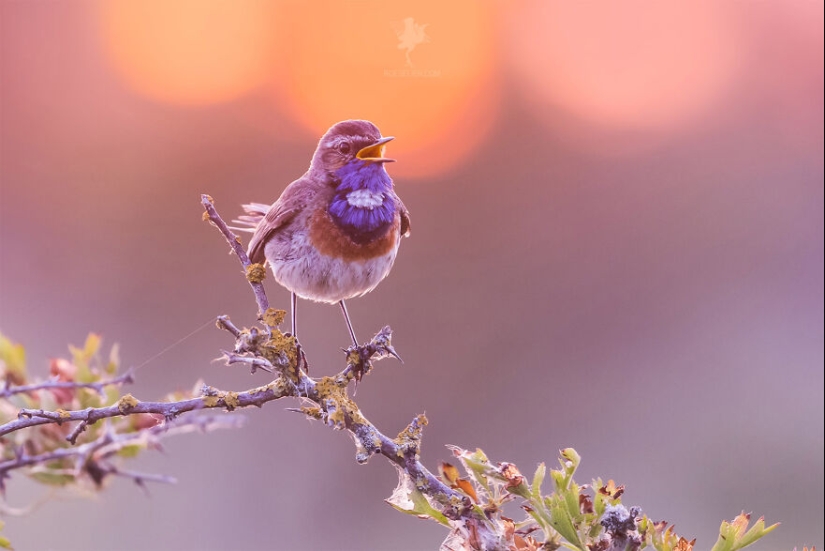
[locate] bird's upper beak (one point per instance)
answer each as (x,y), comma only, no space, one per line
(375,152)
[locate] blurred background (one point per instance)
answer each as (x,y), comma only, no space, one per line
(617,245)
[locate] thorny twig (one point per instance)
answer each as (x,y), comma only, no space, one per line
(257,287)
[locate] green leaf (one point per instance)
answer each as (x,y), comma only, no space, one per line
(112,394)
(734,536)
(757,531)
(13,356)
(52,479)
(476,465)
(538,479)
(572,459)
(569,460)
(4,543)
(571,498)
(114,360)
(89,398)
(409,499)
(561,521)
(131,450)
(82,358)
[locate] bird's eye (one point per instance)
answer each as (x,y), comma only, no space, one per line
(344,147)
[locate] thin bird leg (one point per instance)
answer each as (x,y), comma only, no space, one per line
(302,358)
(349,324)
(294,315)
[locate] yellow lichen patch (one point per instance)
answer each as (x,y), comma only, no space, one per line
(278,387)
(409,439)
(281,344)
(127,403)
(413,430)
(326,386)
(255,273)
(273,317)
(354,357)
(314,412)
(262,389)
(64,414)
(211,401)
(231,400)
(205,216)
(339,407)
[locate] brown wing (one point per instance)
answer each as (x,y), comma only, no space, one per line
(405,218)
(291,202)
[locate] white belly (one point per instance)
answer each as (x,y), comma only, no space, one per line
(311,275)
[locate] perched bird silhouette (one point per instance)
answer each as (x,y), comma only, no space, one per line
(333,234)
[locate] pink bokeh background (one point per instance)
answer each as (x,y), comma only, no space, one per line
(617,246)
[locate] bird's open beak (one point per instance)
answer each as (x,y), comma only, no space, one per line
(375,152)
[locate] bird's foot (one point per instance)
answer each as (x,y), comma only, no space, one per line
(360,357)
(302,357)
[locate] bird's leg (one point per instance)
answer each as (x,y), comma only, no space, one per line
(302,358)
(349,324)
(294,315)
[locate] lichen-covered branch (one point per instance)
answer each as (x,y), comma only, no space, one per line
(82,424)
(129,405)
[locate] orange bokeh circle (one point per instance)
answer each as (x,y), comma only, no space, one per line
(190,52)
(423,72)
(628,64)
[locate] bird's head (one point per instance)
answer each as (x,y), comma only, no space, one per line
(352,141)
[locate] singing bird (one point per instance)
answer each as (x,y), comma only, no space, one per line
(333,234)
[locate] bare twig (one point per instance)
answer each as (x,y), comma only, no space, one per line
(99,386)
(235,243)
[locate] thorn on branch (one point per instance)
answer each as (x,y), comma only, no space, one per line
(254,363)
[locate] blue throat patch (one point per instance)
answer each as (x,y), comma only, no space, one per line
(364,223)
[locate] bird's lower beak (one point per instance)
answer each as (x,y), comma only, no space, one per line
(375,153)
